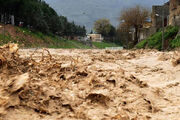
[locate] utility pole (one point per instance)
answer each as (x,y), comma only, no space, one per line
(163,27)
(4,25)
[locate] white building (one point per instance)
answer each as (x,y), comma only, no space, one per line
(95,37)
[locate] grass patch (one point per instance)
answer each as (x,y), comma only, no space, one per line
(4,39)
(68,44)
(35,34)
(53,41)
(28,39)
(103,45)
(141,44)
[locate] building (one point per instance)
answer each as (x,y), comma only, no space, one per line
(158,13)
(169,12)
(146,32)
(96,37)
(7,19)
(174,18)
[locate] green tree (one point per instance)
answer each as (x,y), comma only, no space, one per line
(40,16)
(102,26)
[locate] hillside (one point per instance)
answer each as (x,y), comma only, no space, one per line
(38,15)
(172,39)
(32,39)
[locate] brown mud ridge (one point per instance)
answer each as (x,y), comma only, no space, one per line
(49,84)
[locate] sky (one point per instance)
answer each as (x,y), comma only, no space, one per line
(86,12)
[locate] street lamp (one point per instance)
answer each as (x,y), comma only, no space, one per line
(162,27)
(125,28)
(4,26)
(122,21)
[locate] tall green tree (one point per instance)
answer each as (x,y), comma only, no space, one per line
(102,26)
(40,16)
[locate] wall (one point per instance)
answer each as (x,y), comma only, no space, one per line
(146,32)
(96,37)
(157,14)
(174,13)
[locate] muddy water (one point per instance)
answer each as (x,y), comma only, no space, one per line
(58,84)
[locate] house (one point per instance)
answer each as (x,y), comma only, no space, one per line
(96,37)
(174,9)
(169,13)
(160,13)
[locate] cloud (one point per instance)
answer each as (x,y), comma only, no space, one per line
(85,12)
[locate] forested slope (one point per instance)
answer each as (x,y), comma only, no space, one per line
(37,14)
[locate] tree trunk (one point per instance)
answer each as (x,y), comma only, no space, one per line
(12,20)
(136,36)
(2,18)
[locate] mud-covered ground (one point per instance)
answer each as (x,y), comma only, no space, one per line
(56,84)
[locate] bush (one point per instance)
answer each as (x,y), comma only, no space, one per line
(141,44)
(176,42)
(171,32)
(155,40)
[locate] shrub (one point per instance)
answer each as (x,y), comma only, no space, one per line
(171,32)
(155,40)
(176,42)
(141,44)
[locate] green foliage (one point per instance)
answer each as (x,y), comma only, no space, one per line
(108,31)
(171,32)
(103,27)
(141,44)
(102,45)
(176,42)
(155,41)
(4,39)
(40,16)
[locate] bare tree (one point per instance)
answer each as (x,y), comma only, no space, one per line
(134,17)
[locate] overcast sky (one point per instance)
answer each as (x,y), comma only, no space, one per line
(85,12)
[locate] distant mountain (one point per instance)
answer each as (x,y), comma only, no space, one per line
(85,12)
